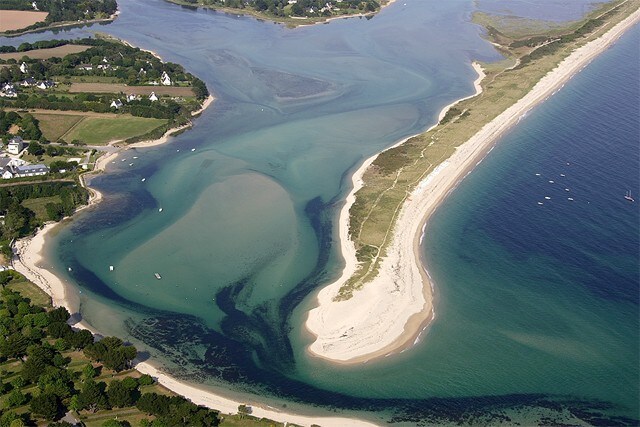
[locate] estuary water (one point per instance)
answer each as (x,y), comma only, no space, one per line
(537,305)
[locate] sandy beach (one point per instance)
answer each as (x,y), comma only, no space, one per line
(29,260)
(389,313)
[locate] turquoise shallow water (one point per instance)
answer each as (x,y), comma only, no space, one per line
(537,307)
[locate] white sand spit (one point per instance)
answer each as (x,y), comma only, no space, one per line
(390,311)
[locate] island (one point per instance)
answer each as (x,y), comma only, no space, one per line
(24,16)
(383,300)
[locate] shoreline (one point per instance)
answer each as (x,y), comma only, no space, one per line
(329,309)
(28,260)
(292,21)
(389,313)
(64,24)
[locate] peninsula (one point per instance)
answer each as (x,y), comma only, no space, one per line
(25,16)
(384,298)
(293,13)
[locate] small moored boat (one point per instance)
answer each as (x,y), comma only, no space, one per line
(628,197)
(158,276)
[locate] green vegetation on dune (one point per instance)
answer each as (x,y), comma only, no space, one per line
(396,172)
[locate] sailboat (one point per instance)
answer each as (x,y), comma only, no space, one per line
(628,196)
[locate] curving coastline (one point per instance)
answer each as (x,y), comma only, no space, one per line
(30,261)
(390,312)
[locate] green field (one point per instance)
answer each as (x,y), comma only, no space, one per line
(99,130)
(38,205)
(53,126)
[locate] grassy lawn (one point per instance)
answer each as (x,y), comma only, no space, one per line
(53,126)
(38,205)
(98,130)
(86,79)
(31,291)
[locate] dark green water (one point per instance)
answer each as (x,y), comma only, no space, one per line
(537,306)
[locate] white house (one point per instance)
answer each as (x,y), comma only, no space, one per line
(132,97)
(24,68)
(8,91)
(165,79)
(15,145)
(28,82)
(30,170)
(45,84)
(153,97)
(116,104)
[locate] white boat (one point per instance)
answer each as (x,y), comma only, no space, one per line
(160,210)
(193,149)
(158,276)
(144,179)
(111,268)
(628,196)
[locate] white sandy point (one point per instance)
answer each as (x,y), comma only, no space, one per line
(390,311)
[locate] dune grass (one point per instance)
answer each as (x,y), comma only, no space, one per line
(397,171)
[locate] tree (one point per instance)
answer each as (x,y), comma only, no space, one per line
(145,380)
(35,149)
(116,423)
(88,372)
(59,314)
(16,398)
(121,395)
(59,330)
(45,405)
(92,396)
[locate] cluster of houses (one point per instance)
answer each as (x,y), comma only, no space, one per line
(327,7)
(14,167)
(117,103)
(9,90)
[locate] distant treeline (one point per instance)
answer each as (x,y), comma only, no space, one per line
(62,10)
(306,8)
